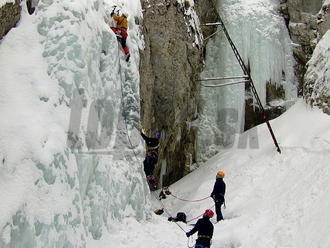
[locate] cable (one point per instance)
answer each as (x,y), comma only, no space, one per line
(199,215)
(122,105)
(166,191)
(190,200)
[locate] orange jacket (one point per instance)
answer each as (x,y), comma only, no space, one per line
(121,21)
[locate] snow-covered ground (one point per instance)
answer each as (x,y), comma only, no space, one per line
(273,200)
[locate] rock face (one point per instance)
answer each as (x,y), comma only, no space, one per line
(307,24)
(10,14)
(317,78)
(308,21)
(253,114)
(170,66)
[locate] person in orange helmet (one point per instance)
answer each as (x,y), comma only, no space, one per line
(218,194)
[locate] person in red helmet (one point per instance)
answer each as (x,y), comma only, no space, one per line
(205,228)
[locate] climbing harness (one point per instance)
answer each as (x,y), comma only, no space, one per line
(247,75)
(204,236)
(122,105)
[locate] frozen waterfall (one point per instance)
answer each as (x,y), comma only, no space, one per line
(68,170)
(260,35)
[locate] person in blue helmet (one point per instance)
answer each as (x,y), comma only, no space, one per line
(151,142)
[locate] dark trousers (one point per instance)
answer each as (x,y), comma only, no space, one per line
(218,204)
(201,246)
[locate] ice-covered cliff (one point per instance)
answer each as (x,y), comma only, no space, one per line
(260,35)
(69,103)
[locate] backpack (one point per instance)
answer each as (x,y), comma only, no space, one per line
(180,216)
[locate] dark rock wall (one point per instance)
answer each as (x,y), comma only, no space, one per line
(10,14)
(169,68)
(302,18)
(308,21)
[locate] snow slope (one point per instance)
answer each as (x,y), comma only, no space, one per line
(273,200)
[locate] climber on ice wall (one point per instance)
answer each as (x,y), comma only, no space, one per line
(151,159)
(121,30)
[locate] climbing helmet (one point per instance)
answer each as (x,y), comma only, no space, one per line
(220,174)
(209,213)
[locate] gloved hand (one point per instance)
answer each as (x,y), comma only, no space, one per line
(187,234)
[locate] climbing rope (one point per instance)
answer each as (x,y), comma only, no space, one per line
(169,215)
(189,200)
(168,192)
(195,218)
(122,105)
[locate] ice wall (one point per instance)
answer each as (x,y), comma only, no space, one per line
(69,103)
(261,37)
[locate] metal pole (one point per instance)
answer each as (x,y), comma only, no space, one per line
(212,24)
